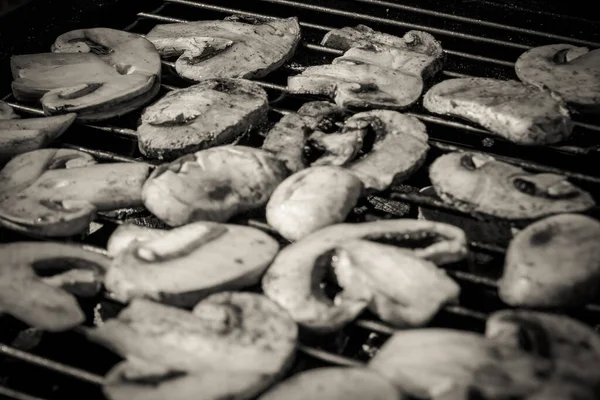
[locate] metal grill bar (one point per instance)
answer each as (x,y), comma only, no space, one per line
(13,394)
(329,357)
(480,22)
(51,365)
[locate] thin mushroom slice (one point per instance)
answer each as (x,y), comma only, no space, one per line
(408,291)
(572,72)
(37,279)
(227,49)
(553,263)
(288,138)
(294,277)
(210,113)
(98,73)
(213,184)
(399,148)
(334,383)
(432,363)
(480,183)
(359,86)
(312,199)
(19,136)
(186,264)
(56,192)
(229,334)
(518,112)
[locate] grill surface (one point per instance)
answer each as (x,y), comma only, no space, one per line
(477,43)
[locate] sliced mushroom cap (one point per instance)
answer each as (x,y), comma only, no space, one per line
(312,199)
(554,262)
(572,72)
(56,192)
(400,147)
(293,279)
(210,113)
(407,290)
(186,264)
(432,363)
(98,73)
(334,383)
(227,49)
(213,184)
(35,288)
(227,334)
(359,85)
(476,182)
(515,111)
(22,135)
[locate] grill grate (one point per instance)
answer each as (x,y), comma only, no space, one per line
(472,43)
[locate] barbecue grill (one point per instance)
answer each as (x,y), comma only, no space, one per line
(476,42)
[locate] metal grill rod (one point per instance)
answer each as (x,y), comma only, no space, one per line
(13,394)
(488,24)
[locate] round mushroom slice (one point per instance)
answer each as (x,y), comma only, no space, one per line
(554,262)
(56,192)
(293,280)
(399,149)
(37,280)
(480,183)
(186,264)
(312,199)
(233,345)
(334,383)
(22,135)
(98,73)
(572,72)
(213,184)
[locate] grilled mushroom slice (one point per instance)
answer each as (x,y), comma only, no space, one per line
(97,73)
(293,279)
(572,72)
(399,148)
(560,360)
(432,363)
(417,52)
(227,49)
(312,199)
(22,135)
(36,279)
(213,112)
(233,345)
(186,264)
(334,383)
(359,86)
(56,192)
(213,184)
(480,183)
(552,263)
(515,111)
(407,291)
(312,125)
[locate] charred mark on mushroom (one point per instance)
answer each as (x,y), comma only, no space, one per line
(152,379)
(96,48)
(365,88)
(179,120)
(543,236)
(219,192)
(530,188)
(225,86)
(324,277)
(411,240)
(208,53)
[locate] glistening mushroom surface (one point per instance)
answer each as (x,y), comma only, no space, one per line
(36,278)
(233,344)
(98,73)
(477,182)
(56,192)
(554,262)
(227,49)
(293,278)
(184,265)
